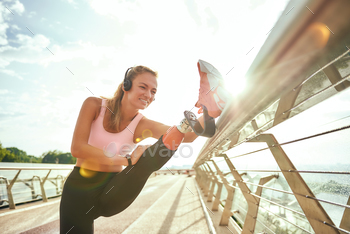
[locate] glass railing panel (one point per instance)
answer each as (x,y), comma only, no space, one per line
(273,219)
(265,118)
(246,131)
(328,115)
(239,204)
(223,196)
(215,189)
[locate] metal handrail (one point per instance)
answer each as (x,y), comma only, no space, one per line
(36,168)
(10,182)
(277,86)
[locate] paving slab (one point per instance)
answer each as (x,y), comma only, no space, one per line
(179,210)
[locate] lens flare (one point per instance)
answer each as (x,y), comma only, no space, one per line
(319,34)
(138,139)
(146,133)
(86,173)
(89,163)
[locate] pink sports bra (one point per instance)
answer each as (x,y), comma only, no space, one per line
(120,143)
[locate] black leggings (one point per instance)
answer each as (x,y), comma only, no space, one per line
(106,193)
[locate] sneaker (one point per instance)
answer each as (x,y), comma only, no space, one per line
(212,93)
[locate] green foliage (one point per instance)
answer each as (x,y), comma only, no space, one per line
(5,155)
(21,156)
(58,156)
(13,154)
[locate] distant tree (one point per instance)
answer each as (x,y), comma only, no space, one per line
(5,155)
(21,156)
(13,154)
(66,158)
(50,156)
(53,156)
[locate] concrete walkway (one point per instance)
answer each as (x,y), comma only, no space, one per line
(167,204)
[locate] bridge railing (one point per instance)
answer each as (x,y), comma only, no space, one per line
(36,183)
(279,161)
(26,184)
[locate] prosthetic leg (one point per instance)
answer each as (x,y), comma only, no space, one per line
(123,188)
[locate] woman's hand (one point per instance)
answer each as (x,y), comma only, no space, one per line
(137,153)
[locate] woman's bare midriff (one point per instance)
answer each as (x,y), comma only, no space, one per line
(95,166)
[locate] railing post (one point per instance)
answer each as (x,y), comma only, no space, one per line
(345,222)
(32,188)
(214,181)
(207,181)
(216,202)
(218,193)
(201,178)
(43,193)
(226,214)
(255,209)
(250,220)
(9,190)
(59,190)
(313,210)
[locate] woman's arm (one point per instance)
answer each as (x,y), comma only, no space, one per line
(80,147)
(158,129)
(191,136)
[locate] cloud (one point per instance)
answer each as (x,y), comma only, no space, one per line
(15,27)
(11,73)
(7,115)
(73,3)
(33,50)
(123,10)
(16,6)
(29,50)
(31,14)
(81,49)
(255,3)
(212,21)
(6,13)
(193,11)
(3,91)
(203,15)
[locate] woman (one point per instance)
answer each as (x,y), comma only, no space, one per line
(105,131)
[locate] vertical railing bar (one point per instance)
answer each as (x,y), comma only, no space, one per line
(214,181)
(15,179)
(249,222)
(345,224)
(312,210)
(9,191)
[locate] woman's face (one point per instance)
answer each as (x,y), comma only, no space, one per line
(143,90)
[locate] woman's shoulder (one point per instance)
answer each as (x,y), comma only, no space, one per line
(93,103)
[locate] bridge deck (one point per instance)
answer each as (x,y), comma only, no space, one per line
(167,204)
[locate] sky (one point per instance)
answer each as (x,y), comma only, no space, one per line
(55,54)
